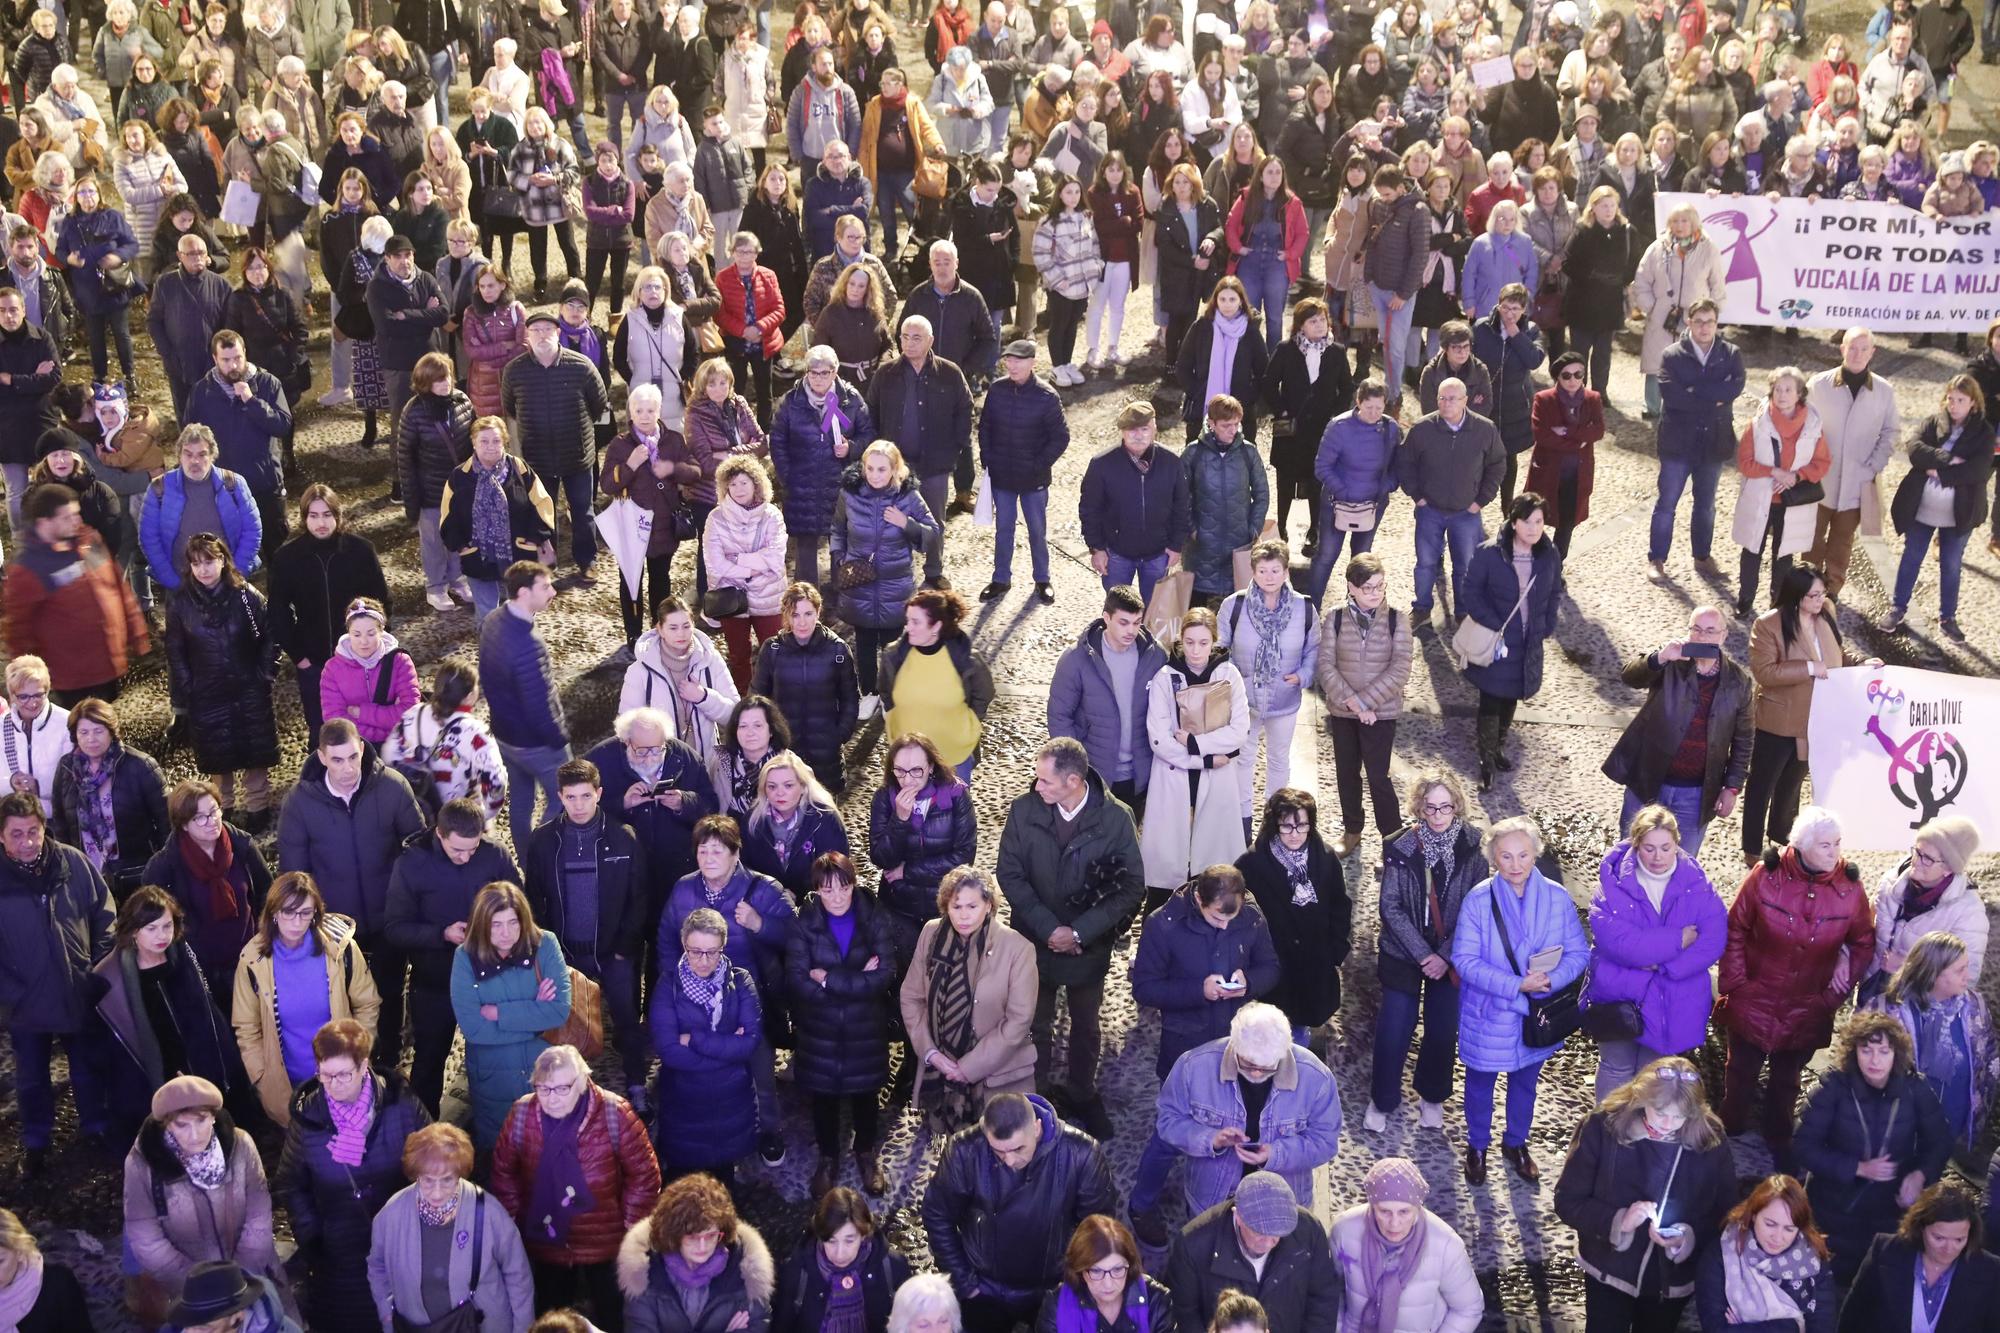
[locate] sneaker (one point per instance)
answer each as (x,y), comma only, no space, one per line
(870,704)
(1892,621)
(1374,1122)
(1656,570)
(1430,1115)
(440,600)
(1948,626)
(771,1148)
(462,590)
(336,398)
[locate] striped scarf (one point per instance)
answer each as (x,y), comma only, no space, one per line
(350,1124)
(706,992)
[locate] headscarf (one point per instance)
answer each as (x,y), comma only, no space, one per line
(1385,1267)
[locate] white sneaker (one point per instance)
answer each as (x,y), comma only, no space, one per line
(462,590)
(1116,360)
(1374,1122)
(336,398)
(1096,361)
(870,705)
(440,600)
(1430,1115)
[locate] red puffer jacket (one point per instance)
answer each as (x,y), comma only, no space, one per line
(623,1179)
(1782,971)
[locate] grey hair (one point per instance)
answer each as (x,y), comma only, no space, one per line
(291,65)
(643,393)
(678,171)
(924,1294)
(559,1057)
(1261,1034)
(1782,373)
(274,122)
(397,84)
(821,357)
(947,246)
(1507,827)
(918,321)
(632,718)
(1810,822)
(1067,755)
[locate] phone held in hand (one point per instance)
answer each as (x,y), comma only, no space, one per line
(1701,650)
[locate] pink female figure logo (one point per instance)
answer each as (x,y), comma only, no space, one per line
(1740,253)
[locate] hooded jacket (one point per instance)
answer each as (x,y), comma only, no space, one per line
(1783,973)
(647,685)
(56,918)
(1639,955)
(353,689)
(815,685)
(861,530)
(1228,500)
(653,1305)
(351,993)
(1178,951)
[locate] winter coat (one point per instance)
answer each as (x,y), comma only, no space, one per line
(607,211)
(1845,1119)
(1555,454)
(818,830)
(183,315)
(1638,951)
(216,941)
(1860,434)
(95,235)
(654,494)
(1353,663)
(802,453)
(942,428)
(1958,911)
(519,681)
(617,1166)
(135,1059)
(1397,243)
(815,686)
(312,583)
(1228,500)
(1512,363)
(1646,748)
(842,1026)
(1963,465)
(1715,1296)
(171,1225)
(350,689)
(1522,109)
(1604,1175)
(350,847)
(57,922)
(74,609)
(1173,847)
(1696,397)
(1022,432)
(767,330)
(1178,951)
(828,200)
(1974,1025)
(1885,1287)
(745,548)
(555,409)
(1301,406)
(271,325)
(1299,1286)
(653,1303)
(1300,1122)
(1246,371)
(249,433)
(803,1288)
(1356,461)
(707,1078)
(351,993)
(1491,591)
(621,889)
(1006,1229)
(647,685)
(542,205)
(1311,938)
(1298,650)
(1092,885)
(1135,512)
(492,340)
(138,813)
(1492,262)
(433,437)
(760,953)
(428,892)
(26,400)
(1182,286)
(961,321)
(531,512)
(1473,374)
(505,1295)
(500,1052)
(941,834)
(1798,940)
(1491,1003)
(1434,465)
(405,317)
(1002,979)
(371,159)
(1442,1294)
(712,432)
(221,661)
(1598,264)
(1083,701)
(1756,498)
(1666,281)
(1783,673)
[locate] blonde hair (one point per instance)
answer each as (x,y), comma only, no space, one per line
(1666,1084)
(747,465)
(715,367)
(1420,791)
(27,669)
(899,470)
(1652,819)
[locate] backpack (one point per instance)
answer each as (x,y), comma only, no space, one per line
(416,768)
(307,189)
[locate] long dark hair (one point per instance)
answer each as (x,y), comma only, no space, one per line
(1792,590)
(1254,200)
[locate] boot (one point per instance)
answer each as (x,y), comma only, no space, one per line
(869,1164)
(1488,744)
(1500,759)
(368,431)
(824,1177)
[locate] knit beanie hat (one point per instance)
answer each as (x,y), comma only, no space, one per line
(1953,837)
(1395,1180)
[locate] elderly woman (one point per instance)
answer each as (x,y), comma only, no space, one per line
(693,1254)
(110,802)
(1769,1270)
(574,1169)
(38,1295)
(1782,455)
(1951,1032)
(1198,786)
(967,1001)
(926,1304)
(1872,1136)
(1518,941)
(921,826)
(543,171)
(1659,926)
(1649,1170)
(1296,882)
(440,1243)
(509,984)
(76,126)
(707,1024)
(306,965)
(1929,892)
(1800,932)
(743,543)
(1679,268)
(218,877)
(843,1275)
(194,1192)
(342,1161)
(1427,871)
(840,963)
(1402,1266)
(1104,1284)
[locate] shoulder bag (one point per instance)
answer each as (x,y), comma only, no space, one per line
(584,1028)
(466,1316)
(1477,645)
(1550,1017)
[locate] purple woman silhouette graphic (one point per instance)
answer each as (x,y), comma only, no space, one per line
(1741,254)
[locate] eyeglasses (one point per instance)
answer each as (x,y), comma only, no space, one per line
(1924,858)
(1440,807)
(556,1089)
(711,1235)
(1373,585)
(1247,1067)
(343,1078)
(206,817)
(30,696)
(918,772)
(647,751)
(1108,1273)
(1681,1075)
(702,953)
(297,913)
(1294,826)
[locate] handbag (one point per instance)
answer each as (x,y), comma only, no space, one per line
(1354,516)
(502,201)
(725,603)
(933,179)
(1802,493)
(1550,1017)
(774,121)
(584,1028)
(708,338)
(1547,309)
(854,572)
(466,1316)
(1477,645)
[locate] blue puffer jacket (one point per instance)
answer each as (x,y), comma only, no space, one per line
(828,200)
(927,846)
(1298,649)
(1178,951)
(160,519)
(1300,1122)
(1490,1003)
(860,529)
(1083,704)
(519,681)
(708,1080)
(1696,425)
(95,235)
(1511,362)
(1022,432)
(1491,589)
(1228,500)
(249,433)
(802,455)
(761,953)
(1357,461)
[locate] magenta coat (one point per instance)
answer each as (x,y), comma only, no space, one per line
(347,689)
(1638,954)
(491,341)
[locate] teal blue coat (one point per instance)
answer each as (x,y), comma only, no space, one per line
(500,1052)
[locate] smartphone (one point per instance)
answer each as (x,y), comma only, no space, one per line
(1674,1232)
(1230,985)
(1701,650)
(661,788)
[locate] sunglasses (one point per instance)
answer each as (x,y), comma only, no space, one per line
(1571,375)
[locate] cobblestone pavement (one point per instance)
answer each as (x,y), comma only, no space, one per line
(1525,1256)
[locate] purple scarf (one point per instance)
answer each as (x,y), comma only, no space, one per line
(561,1191)
(846,1302)
(1075,1315)
(1384,1270)
(691,1280)
(350,1125)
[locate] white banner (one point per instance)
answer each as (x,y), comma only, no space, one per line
(1829,264)
(1894,747)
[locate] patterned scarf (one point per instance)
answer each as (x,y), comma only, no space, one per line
(439,1216)
(95,822)
(951,990)
(1938,1055)
(1269,622)
(706,992)
(561,1191)
(207,1167)
(213,872)
(846,1304)
(1294,865)
(1440,849)
(350,1125)
(492,521)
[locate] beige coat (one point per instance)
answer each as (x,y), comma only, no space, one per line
(1784,677)
(231,1221)
(351,993)
(1004,984)
(1343,252)
(1661,284)
(665,214)
(452,183)
(1860,431)
(1373,670)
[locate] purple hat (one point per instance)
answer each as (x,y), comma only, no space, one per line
(1395,1180)
(108,392)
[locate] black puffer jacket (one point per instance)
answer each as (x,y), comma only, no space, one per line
(800,1303)
(927,846)
(333,1206)
(620,888)
(1183,287)
(434,437)
(222,656)
(556,408)
(428,892)
(138,813)
(840,1030)
(818,831)
(815,686)
(350,847)
(312,582)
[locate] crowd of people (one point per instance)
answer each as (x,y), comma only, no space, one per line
(235,967)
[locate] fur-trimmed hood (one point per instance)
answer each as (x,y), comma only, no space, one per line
(749,1254)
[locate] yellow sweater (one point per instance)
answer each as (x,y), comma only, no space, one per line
(930,699)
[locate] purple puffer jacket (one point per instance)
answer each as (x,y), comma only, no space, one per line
(1638,954)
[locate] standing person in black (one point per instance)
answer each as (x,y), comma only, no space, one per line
(1307,385)
(408,307)
(1300,888)
(486,140)
(810,672)
(314,577)
(264,313)
(430,899)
